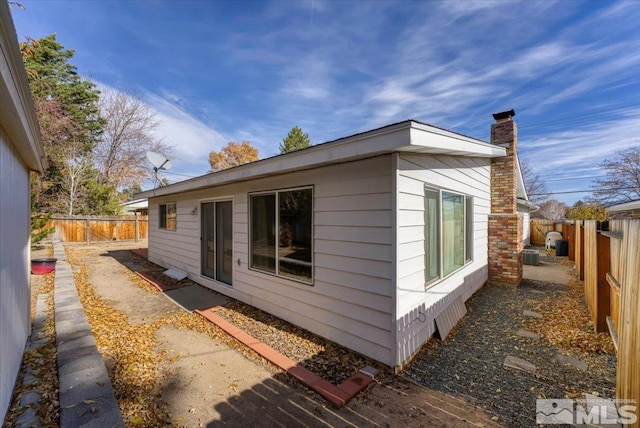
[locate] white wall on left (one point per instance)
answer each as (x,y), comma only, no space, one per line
(14,267)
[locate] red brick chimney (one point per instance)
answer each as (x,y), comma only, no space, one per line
(505,223)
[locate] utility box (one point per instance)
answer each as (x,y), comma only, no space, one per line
(532,257)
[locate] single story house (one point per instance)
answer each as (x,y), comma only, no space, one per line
(135,207)
(374,241)
(525,207)
(21,151)
(629,209)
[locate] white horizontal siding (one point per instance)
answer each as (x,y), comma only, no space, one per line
(526,225)
(350,301)
(14,260)
(416,307)
(373,235)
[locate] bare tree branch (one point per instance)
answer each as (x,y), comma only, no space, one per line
(129,133)
(551,209)
(622,180)
(534,186)
(76,168)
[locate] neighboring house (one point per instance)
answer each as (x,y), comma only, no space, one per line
(526,208)
(625,210)
(21,151)
(374,241)
(135,207)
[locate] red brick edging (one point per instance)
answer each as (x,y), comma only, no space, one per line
(336,395)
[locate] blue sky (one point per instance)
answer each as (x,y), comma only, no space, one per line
(217,71)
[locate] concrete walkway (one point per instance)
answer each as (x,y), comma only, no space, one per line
(86,395)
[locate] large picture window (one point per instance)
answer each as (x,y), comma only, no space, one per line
(281,233)
(167,216)
(448,233)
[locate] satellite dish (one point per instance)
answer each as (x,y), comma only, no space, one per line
(159,162)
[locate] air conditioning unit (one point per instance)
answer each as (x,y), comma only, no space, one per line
(532,257)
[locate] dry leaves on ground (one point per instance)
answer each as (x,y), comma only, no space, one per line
(134,362)
(41,362)
(317,354)
(567,323)
(321,356)
(128,351)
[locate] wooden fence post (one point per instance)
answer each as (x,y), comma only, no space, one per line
(87,230)
(603,306)
(137,230)
(571,237)
(581,249)
(628,361)
(578,243)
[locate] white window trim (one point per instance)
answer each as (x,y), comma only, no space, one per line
(165,204)
(276,192)
(199,219)
(468,258)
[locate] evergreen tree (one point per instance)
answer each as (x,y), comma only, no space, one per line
(39,229)
(70,123)
(296,140)
(54,78)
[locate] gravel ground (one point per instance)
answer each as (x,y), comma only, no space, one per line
(469,363)
(333,362)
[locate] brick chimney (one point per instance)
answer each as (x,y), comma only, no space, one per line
(505,223)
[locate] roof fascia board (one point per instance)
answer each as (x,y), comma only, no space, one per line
(632,205)
(18,116)
(408,136)
(359,146)
(528,204)
(429,139)
(521,190)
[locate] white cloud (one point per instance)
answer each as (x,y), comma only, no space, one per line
(191,138)
(582,149)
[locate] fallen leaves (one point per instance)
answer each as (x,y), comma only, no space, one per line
(137,368)
(567,323)
(128,350)
(331,361)
(41,363)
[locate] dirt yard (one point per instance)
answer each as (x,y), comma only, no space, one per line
(170,367)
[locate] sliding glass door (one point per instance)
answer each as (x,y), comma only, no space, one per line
(217,240)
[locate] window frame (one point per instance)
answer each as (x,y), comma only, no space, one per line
(163,216)
(468,234)
(276,193)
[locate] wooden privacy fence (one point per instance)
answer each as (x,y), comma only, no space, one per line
(610,265)
(539,228)
(91,229)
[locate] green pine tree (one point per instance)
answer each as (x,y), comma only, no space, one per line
(296,140)
(53,77)
(70,123)
(39,229)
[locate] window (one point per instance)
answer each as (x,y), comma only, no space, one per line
(432,235)
(281,233)
(167,216)
(448,233)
